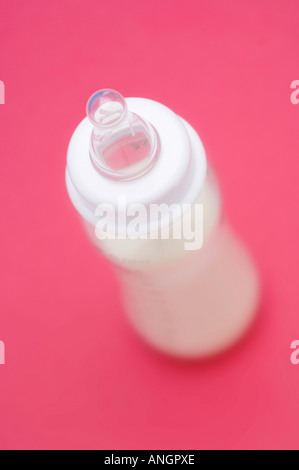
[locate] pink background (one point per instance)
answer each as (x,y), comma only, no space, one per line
(76,376)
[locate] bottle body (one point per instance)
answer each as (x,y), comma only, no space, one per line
(187,303)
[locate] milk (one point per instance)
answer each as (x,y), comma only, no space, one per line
(187,305)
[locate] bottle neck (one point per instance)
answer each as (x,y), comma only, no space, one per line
(177,177)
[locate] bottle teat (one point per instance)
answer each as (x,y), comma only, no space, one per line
(123,146)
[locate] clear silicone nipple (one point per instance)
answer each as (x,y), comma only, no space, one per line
(123,146)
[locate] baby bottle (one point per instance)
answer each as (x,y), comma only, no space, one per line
(138,176)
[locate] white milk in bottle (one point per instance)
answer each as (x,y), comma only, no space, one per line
(137,174)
